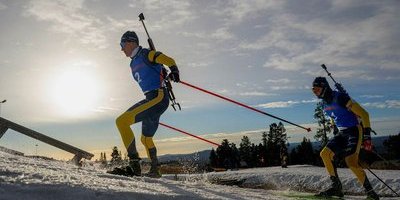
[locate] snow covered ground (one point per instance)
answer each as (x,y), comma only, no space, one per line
(30,178)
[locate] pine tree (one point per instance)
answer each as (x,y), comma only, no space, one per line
(271,145)
(305,151)
(213,158)
(324,123)
(264,138)
(224,154)
(103,160)
(392,145)
(245,150)
(294,159)
(276,140)
(235,156)
(254,156)
(116,158)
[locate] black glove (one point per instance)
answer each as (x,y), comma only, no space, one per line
(174,74)
(335,130)
(367,132)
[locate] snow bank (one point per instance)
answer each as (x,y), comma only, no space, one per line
(28,178)
(303,178)
(33,178)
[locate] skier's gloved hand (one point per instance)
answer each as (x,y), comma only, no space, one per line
(174,75)
(335,130)
(367,143)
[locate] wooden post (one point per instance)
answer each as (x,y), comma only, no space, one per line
(79,153)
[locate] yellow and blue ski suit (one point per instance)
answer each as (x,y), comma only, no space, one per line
(347,143)
(146,67)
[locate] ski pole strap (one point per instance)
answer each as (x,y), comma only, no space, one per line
(243,105)
(184,132)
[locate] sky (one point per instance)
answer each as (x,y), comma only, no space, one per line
(63,73)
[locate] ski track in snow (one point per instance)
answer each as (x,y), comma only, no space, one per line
(30,178)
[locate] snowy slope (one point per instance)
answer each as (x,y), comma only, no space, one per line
(28,178)
(304,178)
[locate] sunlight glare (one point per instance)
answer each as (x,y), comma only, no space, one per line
(75,92)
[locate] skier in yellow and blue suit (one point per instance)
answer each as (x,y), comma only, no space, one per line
(147,70)
(346,144)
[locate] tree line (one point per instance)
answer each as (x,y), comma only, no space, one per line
(273,148)
(271,151)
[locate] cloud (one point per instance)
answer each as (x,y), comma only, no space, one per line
(281,62)
(219,34)
(235,11)
(384,105)
(285,104)
(222,34)
(278,104)
(3,6)
(310,101)
(172,14)
(71,18)
(289,87)
(198,64)
(340,34)
(255,93)
(369,96)
(390,65)
(278,81)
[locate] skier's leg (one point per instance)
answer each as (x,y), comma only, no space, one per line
(149,128)
(138,112)
(352,162)
(328,155)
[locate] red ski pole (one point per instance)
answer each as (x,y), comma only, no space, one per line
(243,105)
(184,132)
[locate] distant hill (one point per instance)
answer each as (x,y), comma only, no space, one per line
(377,141)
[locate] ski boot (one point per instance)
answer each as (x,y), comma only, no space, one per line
(371,194)
(335,190)
(133,168)
(154,171)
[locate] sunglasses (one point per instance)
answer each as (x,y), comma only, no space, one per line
(122,44)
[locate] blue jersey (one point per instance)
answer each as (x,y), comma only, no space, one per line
(147,74)
(338,111)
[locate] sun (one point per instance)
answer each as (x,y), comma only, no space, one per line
(74,92)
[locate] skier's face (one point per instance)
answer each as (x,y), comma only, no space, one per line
(317,91)
(128,47)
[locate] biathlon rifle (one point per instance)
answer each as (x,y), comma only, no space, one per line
(338,86)
(167,81)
